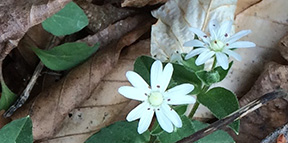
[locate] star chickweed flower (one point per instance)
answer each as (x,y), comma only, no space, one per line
(155,98)
(220,43)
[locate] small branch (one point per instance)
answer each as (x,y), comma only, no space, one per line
(252,106)
(26,93)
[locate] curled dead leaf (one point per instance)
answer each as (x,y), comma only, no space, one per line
(140,3)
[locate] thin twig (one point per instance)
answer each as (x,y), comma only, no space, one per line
(252,106)
(26,93)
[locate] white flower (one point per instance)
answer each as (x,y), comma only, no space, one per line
(156,98)
(220,43)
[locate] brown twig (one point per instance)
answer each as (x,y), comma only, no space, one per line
(26,93)
(252,106)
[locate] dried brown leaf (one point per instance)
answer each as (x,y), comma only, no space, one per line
(16,17)
(283,47)
(281,139)
(102,16)
(140,3)
(255,126)
(51,107)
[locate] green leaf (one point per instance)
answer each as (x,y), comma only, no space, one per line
(67,21)
(65,56)
(223,72)
(120,132)
(18,131)
(190,64)
(191,126)
(221,102)
(7,97)
(182,75)
(142,66)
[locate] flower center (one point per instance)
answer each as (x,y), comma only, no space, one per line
(217,45)
(155,98)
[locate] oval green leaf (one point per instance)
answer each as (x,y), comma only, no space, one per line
(18,131)
(7,97)
(65,56)
(191,126)
(120,132)
(221,102)
(67,21)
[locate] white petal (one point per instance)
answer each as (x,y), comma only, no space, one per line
(213,25)
(222,60)
(137,112)
(242,44)
(203,57)
(136,80)
(145,121)
(163,121)
(172,115)
(225,28)
(134,93)
(200,34)
(194,43)
(237,36)
(156,71)
(195,52)
(182,89)
(233,54)
(165,77)
(181,99)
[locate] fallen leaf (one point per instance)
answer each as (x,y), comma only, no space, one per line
(102,16)
(140,3)
(78,85)
(23,15)
(255,126)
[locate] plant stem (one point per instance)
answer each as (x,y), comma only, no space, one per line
(194,109)
(214,63)
(196,105)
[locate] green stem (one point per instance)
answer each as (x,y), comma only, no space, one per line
(196,105)
(214,63)
(194,109)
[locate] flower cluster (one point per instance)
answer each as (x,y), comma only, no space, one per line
(155,98)
(220,43)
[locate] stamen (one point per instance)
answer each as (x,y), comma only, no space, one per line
(168,99)
(226,35)
(205,36)
(158,109)
(146,94)
(227,44)
(215,42)
(158,86)
(148,108)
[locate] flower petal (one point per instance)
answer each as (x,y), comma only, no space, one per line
(163,121)
(242,44)
(145,121)
(203,57)
(237,36)
(195,52)
(134,93)
(136,80)
(172,115)
(213,26)
(181,99)
(224,29)
(165,77)
(222,60)
(232,54)
(137,112)
(182,89)
(200,34)
(156,72)
(194,43)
